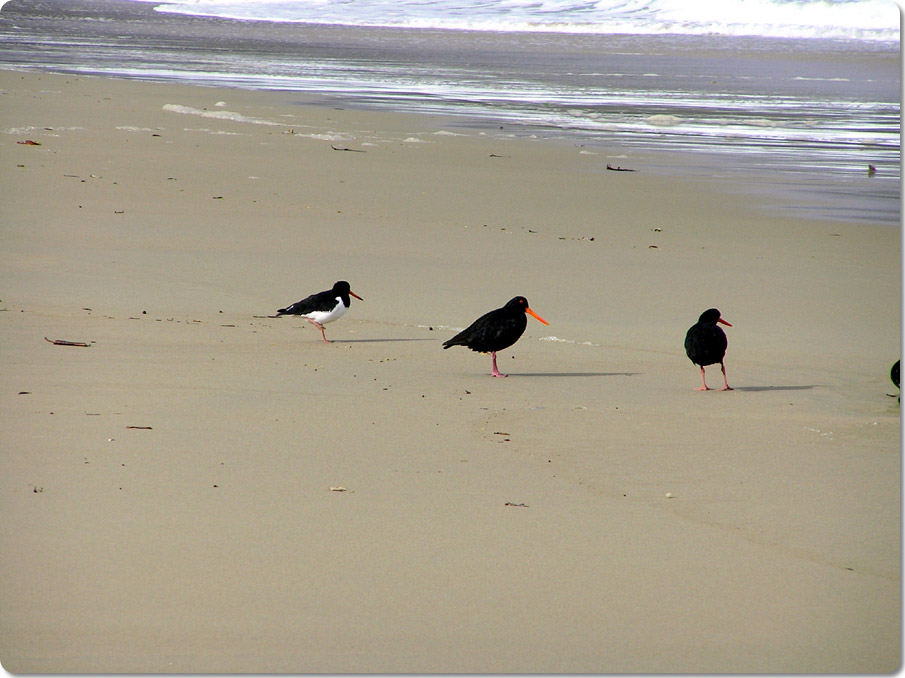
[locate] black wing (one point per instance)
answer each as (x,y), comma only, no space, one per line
(322,301)
(705,344)
(493,331)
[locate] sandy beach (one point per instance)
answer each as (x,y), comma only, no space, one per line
(204,488)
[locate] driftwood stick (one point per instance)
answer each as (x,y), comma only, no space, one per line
(351,150)
(63,342)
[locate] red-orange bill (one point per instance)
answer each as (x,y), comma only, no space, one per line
(355,295)
(724,322)
(528,310)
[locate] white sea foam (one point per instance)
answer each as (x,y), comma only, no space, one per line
(323,137)
(567,341)
(219,115)
(216,132)
(846,19)
(32,129)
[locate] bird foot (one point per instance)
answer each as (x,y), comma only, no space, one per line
(494,370)
(321,328)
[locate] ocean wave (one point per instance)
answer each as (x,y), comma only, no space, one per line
(872,20)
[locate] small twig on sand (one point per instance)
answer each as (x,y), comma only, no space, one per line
(619,169)
(63,342)
(350,150)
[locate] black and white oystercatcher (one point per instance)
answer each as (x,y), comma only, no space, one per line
(496,330)
(705,344)
(323,307)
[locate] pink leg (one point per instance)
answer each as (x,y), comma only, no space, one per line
(495,372)
(726,386)
(320,327)
(703,386)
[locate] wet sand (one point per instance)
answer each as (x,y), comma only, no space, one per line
(208,489)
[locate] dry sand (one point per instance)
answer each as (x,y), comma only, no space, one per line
(487,525)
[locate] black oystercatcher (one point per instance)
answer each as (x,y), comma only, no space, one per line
(496,330)
(323,307)
(894,373)
(705,344)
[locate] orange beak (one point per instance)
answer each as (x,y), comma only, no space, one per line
(724,322)
(529,311)
(355,295)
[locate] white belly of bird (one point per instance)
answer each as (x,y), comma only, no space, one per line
(328,316)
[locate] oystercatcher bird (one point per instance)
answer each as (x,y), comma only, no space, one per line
(323,307)
(496,330)
(705,344)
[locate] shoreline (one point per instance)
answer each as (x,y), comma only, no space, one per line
(172,490)
(803,119)
(802,194)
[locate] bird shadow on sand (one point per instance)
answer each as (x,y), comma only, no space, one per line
(574,374)
(758,389)
(375,341)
